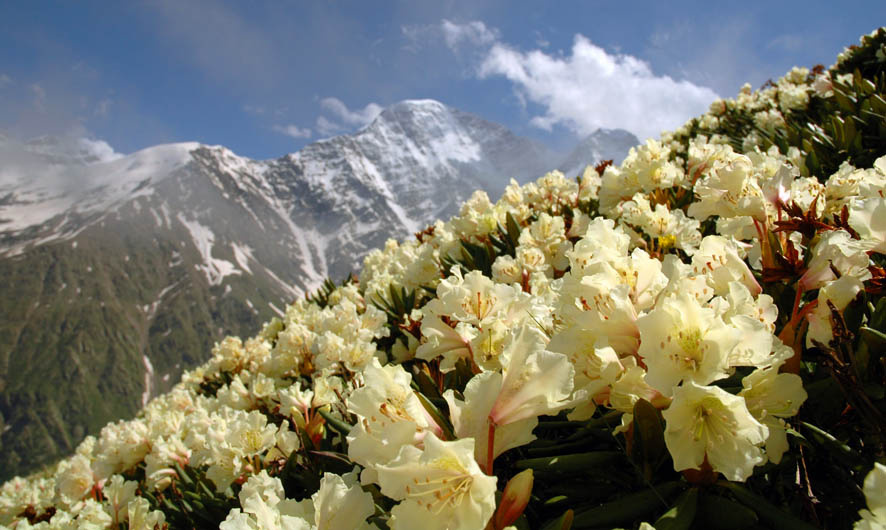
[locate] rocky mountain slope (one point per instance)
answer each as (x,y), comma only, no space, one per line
(121,271)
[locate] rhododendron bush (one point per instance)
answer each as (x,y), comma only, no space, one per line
(691,339)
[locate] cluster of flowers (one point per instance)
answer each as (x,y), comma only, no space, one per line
(637,282)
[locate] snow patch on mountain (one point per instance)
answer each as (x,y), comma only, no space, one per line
(149,379)
(242,255)
(215,269)
(36,187)
(602,144)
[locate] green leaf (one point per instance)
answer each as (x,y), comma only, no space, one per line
(632,507)
(837,448)
(564,522)
(719,513)
(423,384)
(182,474)
(437,415)
(649,449)
(514,228)
(769,514)
(574,464)
(878,318)
(873,337)
(554,501)
(336,424)
(681,516)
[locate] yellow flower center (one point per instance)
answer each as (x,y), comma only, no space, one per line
(251,441)
(447,489)
(691,349)
(667,241)
(479,305)
(713,423)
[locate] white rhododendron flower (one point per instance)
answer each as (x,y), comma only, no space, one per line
(471,418)
(118,493)
(868,218)
(538,324)
(874,517)
(838,293)
(141,517)
(389,417)
(646,168)
(597,366)
(74,479)
(120,446)
(336,504)
(771,396)
(729,188)
(836,250)
(681,340)
(440,487)
(533,382)
(339,503)
(250,434)
(452,343)
(475,299)
(720,260)
(755,321)
(670,228)
(603,241)
(708,423)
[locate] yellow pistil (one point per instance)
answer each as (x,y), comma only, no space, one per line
(666,242)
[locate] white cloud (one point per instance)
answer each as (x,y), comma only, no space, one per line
(356,117)
(327,127)
(343,118)
(474,32)
(591,88)
(98,149)
(585,88)
(293,131)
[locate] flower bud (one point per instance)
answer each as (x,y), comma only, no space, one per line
(514,499)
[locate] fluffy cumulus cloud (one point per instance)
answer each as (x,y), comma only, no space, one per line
(293,131)
(342,118)
(587,88)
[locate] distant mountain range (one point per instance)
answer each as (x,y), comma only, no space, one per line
(122,271)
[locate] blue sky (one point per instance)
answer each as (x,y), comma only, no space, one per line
(265,78)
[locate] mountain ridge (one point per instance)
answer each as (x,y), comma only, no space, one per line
(117,287)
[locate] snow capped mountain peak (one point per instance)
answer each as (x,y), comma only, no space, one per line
(416,162)
(415,107)
(180,244)
(51,181)
(418,104)
(602,144)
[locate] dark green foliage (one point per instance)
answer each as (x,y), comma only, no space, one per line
(70,364)
(479,256)
(192,501)
(321,297)
(849,126)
